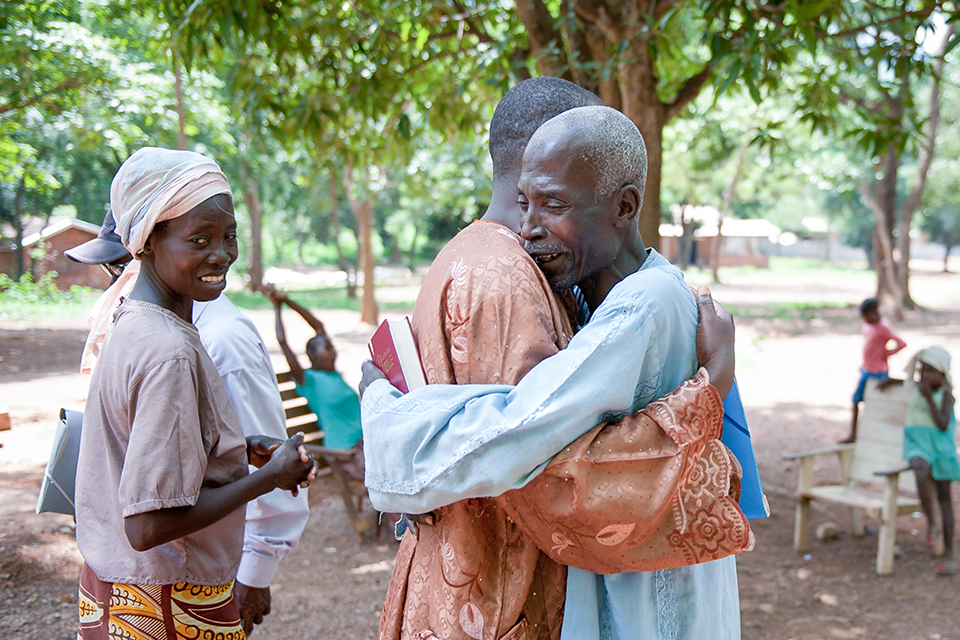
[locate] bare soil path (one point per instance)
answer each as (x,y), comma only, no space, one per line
(796,371)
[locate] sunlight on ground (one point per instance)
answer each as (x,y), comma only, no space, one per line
(384,566)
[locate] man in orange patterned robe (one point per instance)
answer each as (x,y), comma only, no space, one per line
(490,568)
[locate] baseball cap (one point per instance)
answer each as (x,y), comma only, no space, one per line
(105,248)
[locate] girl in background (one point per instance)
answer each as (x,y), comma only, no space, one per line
(929,446)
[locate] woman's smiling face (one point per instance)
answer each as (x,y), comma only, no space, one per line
(191,254)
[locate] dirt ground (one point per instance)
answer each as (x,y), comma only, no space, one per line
(796,373)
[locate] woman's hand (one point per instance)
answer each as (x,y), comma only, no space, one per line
(291,466)
(715,341)
(260,449)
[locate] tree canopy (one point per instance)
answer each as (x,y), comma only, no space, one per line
(361,125)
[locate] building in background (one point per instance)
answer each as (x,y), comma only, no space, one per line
(745,242)
(44,244)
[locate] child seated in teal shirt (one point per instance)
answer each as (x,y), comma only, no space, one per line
(328,395)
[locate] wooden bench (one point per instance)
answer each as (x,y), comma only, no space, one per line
(300,418)
(873,475)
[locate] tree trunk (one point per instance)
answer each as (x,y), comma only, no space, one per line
(363,211)
(924,160)
(342,260)
(369,311)
(881,196)
(252,199)
(946,258)
(716,249)
(412,253)
(638,87)
(20,266)
(178,89)
(301,240)
(685,240)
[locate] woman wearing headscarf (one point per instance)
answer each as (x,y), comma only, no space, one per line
(162,476)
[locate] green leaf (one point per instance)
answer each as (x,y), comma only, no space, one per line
(422,36)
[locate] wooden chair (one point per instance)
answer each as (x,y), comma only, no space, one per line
(299,417)
(871,469)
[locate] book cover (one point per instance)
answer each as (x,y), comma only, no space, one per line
(736,435)
(394,350)
(56,490)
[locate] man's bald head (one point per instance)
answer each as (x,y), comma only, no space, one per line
(522,110)
(580,193)
(607,143)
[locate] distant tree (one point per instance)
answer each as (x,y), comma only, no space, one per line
(639,56)
(50,62)
(870,87)
(855,220)
(943,226)
(355,85)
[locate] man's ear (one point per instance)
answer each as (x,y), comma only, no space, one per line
(628,202)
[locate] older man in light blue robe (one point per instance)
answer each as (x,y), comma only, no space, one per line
(440,444)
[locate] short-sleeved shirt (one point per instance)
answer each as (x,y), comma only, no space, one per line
(158,427)
(337,407)
(875,351)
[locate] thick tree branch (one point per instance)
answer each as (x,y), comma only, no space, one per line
(546,42)
(921,13)
(466,17)
(688,92)
(925,157)
(72,83)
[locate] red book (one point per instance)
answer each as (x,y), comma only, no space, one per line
(394,351)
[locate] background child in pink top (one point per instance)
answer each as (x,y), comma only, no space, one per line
(877,335)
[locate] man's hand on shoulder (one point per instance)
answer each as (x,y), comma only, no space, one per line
(715,341)
(254,603)
(370,375)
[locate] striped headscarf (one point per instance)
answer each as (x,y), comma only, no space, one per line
(154,185)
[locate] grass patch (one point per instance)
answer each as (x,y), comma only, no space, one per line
(330,298)
(24,298)
(785,310)
(780,267)
(73,307)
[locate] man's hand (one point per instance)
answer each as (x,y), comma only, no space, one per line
(715,339)
(254,604)
(370,374)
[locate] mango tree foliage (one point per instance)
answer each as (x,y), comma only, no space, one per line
(652,58)
(879,89)
(84,85)
(939,211)
(357,85)
(49,62)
